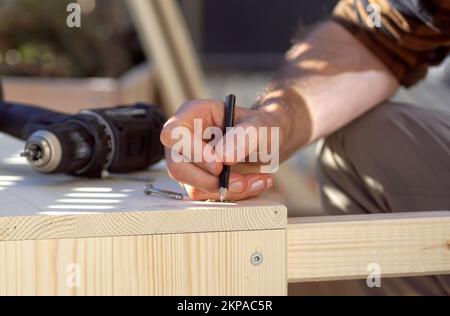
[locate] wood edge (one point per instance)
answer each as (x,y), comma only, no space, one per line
(364,276)
(367,217)
(44,227)
(130,77)
(138,73)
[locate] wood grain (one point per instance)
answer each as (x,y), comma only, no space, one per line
(36,206)
(142,223)
(338,248)
(182,264)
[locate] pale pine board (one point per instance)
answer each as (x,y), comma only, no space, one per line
(342,247)
(176,264)
(36,206)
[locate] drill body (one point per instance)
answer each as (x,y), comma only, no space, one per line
(118,140)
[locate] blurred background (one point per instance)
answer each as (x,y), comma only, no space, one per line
(239,42)
(230,35)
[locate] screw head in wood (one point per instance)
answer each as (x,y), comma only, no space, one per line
(257,259)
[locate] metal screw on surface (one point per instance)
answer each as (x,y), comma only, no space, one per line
(256,259)
(149,189)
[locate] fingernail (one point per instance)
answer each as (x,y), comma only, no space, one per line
(258,186)
(269,183)
(236,187)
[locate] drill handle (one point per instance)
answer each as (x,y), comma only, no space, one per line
(20,121)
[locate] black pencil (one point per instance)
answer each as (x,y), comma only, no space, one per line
(224,178)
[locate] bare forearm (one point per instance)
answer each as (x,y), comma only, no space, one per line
(328,80)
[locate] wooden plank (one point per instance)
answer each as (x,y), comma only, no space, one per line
(183,264)
(36,206)
(184,52)
(156,46)
(193,12)
(65,95)
(338,248)
(71,95)
(147,222)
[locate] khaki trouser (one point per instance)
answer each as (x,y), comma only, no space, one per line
(395,158)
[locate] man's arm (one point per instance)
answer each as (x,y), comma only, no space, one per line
(328,80)
(337,74)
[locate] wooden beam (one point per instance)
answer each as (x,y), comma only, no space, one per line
(70,95)
(183,49)
(193,11)
(149,222)
(156,46)
(342,247)
(216,263)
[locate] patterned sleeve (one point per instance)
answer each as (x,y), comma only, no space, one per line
(412,34)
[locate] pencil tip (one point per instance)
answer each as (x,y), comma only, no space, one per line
(222,194)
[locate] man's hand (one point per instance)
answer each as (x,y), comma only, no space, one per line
(200,178)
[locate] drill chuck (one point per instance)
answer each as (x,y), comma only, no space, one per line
(61,148)
(43,151)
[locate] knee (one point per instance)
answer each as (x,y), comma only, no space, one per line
(367,145)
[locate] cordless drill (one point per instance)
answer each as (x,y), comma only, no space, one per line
(88,144)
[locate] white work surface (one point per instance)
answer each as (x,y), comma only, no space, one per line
(26,193)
